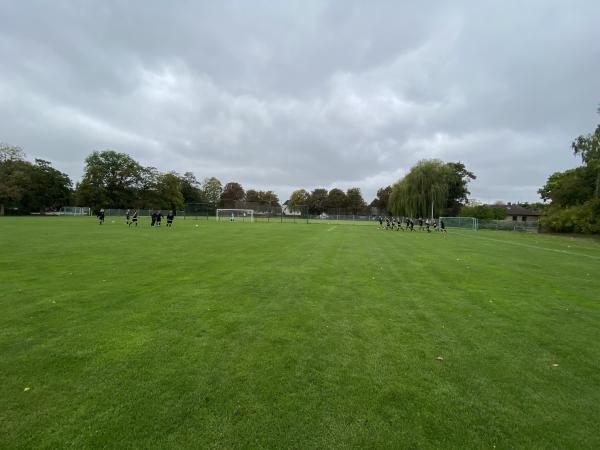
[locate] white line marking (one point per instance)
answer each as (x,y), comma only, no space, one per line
(520,244)
(332,228)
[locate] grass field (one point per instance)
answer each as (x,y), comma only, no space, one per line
(268,335)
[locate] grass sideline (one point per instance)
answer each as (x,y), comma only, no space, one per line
(269,335)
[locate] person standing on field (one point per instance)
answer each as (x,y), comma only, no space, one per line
(134,218)
(101,216)
(170,217)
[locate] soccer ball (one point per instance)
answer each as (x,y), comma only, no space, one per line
(113,221)
(196,226)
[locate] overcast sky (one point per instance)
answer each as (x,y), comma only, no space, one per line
(286,95)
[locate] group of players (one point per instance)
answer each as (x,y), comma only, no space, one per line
(131,218)
(395,223)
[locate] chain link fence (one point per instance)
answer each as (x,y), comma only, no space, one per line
(508,225)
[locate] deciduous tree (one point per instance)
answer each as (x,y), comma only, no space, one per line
(211,191)
(355,201)
(232,193)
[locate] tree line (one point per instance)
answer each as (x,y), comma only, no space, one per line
(111,180)
(430,188)
(321,200)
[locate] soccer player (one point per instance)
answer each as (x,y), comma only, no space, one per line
(134,218)
(231,217)
(153,219)
(158,218)
(127,216)
(101,216)
(443,227)
(380,222)
(412,225)
(420,223)
(170,217)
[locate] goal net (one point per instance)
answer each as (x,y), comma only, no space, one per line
(234,215)
(75,211)
(467,223)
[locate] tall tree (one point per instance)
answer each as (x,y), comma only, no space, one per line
(268,198)
(336,198)
(190,188)
(232,193)
(569,188)
(169,191)
(382,199)
(298,198)
(15,174)
(317,201)
(110,179)
(252,196)
(49,188)
(211,191)
(355,201)
(457,178)
(423,189)
(588,147)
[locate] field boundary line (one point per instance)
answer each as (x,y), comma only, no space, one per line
(520,244)
(332,228)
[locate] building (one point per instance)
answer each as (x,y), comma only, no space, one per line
(518,213)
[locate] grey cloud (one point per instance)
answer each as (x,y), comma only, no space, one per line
(304,94)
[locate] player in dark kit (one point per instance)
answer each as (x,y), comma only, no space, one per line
(127,216)
(170,217)
(158,218)
(443,227)
(153,219)
(101,216)
(134,218)
(380,222)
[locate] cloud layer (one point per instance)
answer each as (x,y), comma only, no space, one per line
(283,95)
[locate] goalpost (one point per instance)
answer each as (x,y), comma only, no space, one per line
(75,211)
(235,214)
(467,223)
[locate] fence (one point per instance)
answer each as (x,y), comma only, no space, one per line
(508,225)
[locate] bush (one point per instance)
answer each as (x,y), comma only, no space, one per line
(584,218)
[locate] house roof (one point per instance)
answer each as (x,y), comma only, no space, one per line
(518,210)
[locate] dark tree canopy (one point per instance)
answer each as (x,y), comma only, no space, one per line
(110,180)
(30,187)
(211,191)
(232,193)
(317,201)
(299,198)
(354,200)
(382,199)
(336,198)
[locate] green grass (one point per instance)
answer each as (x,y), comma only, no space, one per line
(269,335)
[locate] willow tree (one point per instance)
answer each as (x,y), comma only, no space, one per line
(423,191)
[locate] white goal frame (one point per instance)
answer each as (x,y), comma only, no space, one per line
(467,223)
(243,213)
(75,211)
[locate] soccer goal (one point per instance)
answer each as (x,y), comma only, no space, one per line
(234,215)
(467,223)
(75,211)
